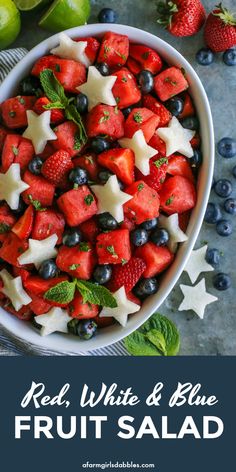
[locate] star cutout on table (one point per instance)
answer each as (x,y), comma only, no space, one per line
(197,264)
(196,298)
(124,308)
(177,138)
(13,289)
(98,88)
(142,151)
(69,49)
(11,186)
(55,320)
(39,251)
(110,198)
(176,235)
(38,130)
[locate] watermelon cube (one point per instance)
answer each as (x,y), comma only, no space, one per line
(114,49)
(83,311)
(169,83)
(78,261)
(113,247)
(177,195)
(107,120)
(144,119)
(125,89)
(144,204)
(39,189)
(157,258)
(48,222)
(77,205)
(121,162)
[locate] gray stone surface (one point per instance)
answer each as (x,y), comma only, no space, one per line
(215,335)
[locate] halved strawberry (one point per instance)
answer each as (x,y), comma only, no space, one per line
(48,222)
(3,134)
(104,119)
(119,161)
(88,162)
(14,111)
(144,119)
(77,205)
(158,108)
(57,167)
(188,109)
(16,149)
(67,138)
(157,258)
(157,143)
(127,275)
(39,189)
(23,227)
(144,204)
(169,83)
(114,49)
(12,248)
(90,230)
(92,47)
(57,114)
(146,58)
(179,165)
(157,175)
(125,89)
(78,261)
(82,311)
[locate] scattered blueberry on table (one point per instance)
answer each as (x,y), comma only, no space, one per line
(223,188)
(213,213)
(213,257)
(230,206)
(224,228)
(229,57)
(205,57)
(107,15)
(227,147)
(221,281)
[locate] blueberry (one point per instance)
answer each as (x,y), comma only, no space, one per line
(48,269)
(227,147)
(229,57)
(103,68)
(72,237)
(30,86)
(234,171)
(21,207)
(104,175)
(85,329)
(205,57)
(146,287)
(106,221)
(150,224)
(107,15)
(81,103)
(196,160)
(146,81)
(139,237)
(230,206)
(224,228)
(126,111)
(99,145)
(78,176)
(175,105)
(190,122)
(160,237)
(35,165)
(223,188)
(213,257)
(102,273)
(222,281)
(213,213)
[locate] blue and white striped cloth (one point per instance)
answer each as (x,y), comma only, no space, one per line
(10,345)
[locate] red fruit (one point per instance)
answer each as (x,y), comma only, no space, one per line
(57,167)
(89,163)
(90,230)
(57,115)
(120,162)
(133,66)
(92,47)
(83,311)
(14,111)
(127,275)
(146,58)
(113,247)
(195,141)
(184,220)
(23,273)
(125,89)
(7,219)
(157,143)
(144,119)
(67,138)
(177,195)
(133,299)
(144,204)
(157,258)
(24,314)
(106,120)
(39,286)
(39,306)
(77,205)
(220,29)
(114,49)
(23,227)
(39,189)
(12,248)
(78,261)
(169,83)
(158,169)
(158,108)
(181,17)
(16,150)
(104,321)
(127,224)
(46,223)
(48,151)
(3,134)
(179,165)
(188,109)
(70,73)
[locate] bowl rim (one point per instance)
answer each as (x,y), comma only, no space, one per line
(69,344)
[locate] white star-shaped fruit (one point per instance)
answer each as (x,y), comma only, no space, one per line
(142,151)
(11,186)
(38,130)
(13,289)
(69,49)
(124,308)
(196,298)
(39,251)
(98,88)
(111,198)
(197,264)
(176,235)
(55,320)
(177,138)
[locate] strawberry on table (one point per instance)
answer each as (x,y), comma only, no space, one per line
(156,258)
(144,204)
(158,108)
(67,135)
(113,247)
(16,149)
(57,114)
(177,195)
(40,190)
(77,205)
(14,111)
(48,222)
(181,17)
(144,119)
(125,89)
(114,49)
(169,83)
(145,58)
(78,261)
(107,120)
(23,227)
(82,311)
(121,162)
(57,167)
(127,275)
(220,29)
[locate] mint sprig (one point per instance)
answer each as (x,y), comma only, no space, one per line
(61,293)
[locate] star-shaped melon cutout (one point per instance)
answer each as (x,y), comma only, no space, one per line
(196,298)
(197,264)
(98,88)
(177,138)
(13,289)
(142,151)
(39,130)
(176,235)
(111,198)
(124,308)
(11,186)
(39,251)
(55,320)
(69,49)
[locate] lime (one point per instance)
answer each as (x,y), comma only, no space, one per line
(9,23)
(64,14)
(27,5)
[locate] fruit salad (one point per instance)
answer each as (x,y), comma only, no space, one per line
(99,157)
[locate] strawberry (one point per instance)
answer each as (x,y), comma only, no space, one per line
(220,29)
(181,17)
(119,161)
(144,119)
(145,58)
(56,168)
(14,111)
(158,108)
(40,190)
(127,275)
(158,169)
(57,114)
(23,227)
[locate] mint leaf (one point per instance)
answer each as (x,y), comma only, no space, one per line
(157,339)
(138,345)
(61,293)
(72,114)
(53,105)
(160,162)
(4,228)
(96,294)
(52,87)
(36,203)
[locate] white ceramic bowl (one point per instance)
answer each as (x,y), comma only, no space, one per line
(66,343)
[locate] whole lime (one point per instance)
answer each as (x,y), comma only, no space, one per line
(64,14)
(10,23)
